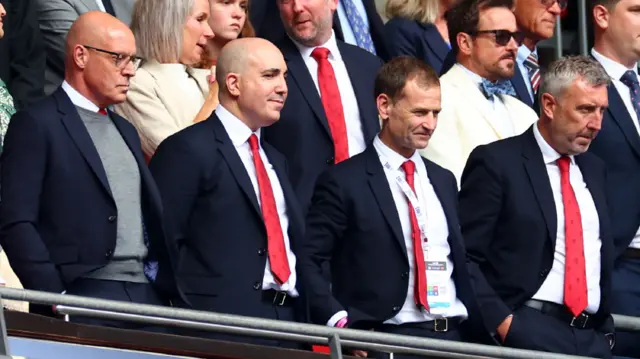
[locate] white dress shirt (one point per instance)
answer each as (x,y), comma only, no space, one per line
(502,118)
(437,231)
(521,57)
(101,5)
(552,289)
(239,134)
(345,25)
(355,137)
(78,99)
(616,70)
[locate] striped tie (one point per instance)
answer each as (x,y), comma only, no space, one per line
(531,63)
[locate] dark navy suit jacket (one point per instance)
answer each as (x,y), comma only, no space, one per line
(412,38)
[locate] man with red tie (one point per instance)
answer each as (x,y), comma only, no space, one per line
(231,215)
(385,223)
(330,115)
(534,218)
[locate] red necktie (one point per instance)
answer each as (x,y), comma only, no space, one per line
(275,239)
(575,281)
(102,111)
(420,285)
(330,95)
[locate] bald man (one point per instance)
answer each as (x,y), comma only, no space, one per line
(80,211)
(230,210)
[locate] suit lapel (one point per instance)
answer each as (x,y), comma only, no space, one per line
(440,186)
(380,188)
(361,90)
(91,5)
(435,41)
(477,101)
(299,72)
(620,115)
(591,180)
(537,172)
(123,10)
(80,136)
(521,88)
(232,158)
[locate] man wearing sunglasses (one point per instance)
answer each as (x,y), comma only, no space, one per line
(537,20)
(617,48)
(478,106)
(80,212)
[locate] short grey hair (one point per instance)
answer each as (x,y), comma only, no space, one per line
(158,26)
(564,71)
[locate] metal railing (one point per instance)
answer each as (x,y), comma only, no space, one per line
(336,338)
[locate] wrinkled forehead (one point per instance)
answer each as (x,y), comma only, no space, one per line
(120,40)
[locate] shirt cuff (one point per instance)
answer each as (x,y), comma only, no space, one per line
(336,318)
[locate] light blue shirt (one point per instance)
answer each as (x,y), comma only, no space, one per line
(349,37)
(523,53)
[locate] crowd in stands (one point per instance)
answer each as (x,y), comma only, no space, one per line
(302,160)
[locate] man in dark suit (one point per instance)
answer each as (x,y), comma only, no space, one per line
(618,144)
(330,115)
(22,56)
(351,18)
(386,223)
(534,217)
(80,211)
(231,214)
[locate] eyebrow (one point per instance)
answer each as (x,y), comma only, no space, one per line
(272,71)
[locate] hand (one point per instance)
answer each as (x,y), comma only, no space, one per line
(503,328)
(211,78)
(360,353)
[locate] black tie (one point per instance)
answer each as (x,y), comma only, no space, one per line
(108,7)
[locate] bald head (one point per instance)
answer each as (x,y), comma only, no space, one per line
(238,54)
(95,28)
(98,57)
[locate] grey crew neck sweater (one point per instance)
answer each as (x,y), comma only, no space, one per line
(127,263)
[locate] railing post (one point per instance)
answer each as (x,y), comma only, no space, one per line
(582,27)
(335,347)
(559,42)
(4,344)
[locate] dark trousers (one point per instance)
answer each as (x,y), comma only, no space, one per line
(414,330)
(625,300)
(533,330)
(269,309)
(142,293)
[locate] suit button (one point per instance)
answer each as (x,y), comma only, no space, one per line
(112,218)
(330,161)
(396,309)
(543,273)
(261,251)
(108,253)
(257,285)
(405,275)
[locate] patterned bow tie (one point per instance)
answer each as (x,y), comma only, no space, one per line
(503,87)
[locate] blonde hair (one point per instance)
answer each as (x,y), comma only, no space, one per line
(424,11)
(158,26)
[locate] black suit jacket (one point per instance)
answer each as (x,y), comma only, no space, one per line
(517,81)
(265,18)
(58,217)
(303,134)
(509,224)
(618,144)
(353,224)
(22,55)
(413,38)
(214,222)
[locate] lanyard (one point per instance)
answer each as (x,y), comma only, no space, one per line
(410,194)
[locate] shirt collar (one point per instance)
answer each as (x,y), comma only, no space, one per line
(549,155)
(395,159)
(331,45)
(524,52)
(477,79)
(78,99)
(237,130)
(613,69)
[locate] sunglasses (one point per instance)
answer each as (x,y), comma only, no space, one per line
(562,3)
(502,37)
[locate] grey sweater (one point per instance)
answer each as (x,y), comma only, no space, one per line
(123,176)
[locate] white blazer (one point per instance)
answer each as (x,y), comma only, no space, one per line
(162,100)
(465,121)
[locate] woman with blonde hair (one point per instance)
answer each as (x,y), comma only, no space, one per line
(418,28)
(167,92)
(229,20)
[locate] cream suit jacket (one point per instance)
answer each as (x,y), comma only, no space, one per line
(162,100)
(465,121)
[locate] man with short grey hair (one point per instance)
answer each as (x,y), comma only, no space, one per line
(534,217)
